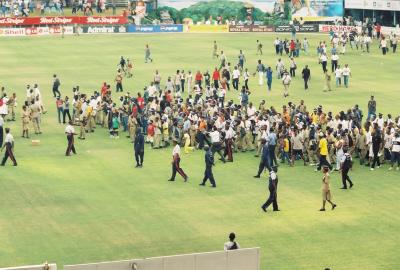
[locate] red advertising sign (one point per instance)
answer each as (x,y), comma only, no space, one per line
(337,28)
(110,20)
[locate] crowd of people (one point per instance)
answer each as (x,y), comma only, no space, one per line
(190,110)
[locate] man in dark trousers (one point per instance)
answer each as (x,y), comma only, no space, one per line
(265,158)
(208,174)
(139,148)
(176,159)
(345,166)
(9,145)
(56,85)
(70,131)
(306,73)
(273,188)
(1,129)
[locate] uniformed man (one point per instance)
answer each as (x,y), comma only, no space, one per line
(132,127)
(11,103)
(26,119)
(208,174)
(176,162)
(273,188)
(70,131)
(35,116)
(345,166)
(9,146)
(265,161)
(326,189)
(139,148)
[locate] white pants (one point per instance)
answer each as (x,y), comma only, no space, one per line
(260,78)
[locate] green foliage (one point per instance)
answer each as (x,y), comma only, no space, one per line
(203,10)
(172,11)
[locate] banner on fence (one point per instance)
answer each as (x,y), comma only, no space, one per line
(298,28)
(251,28)
(326,28)
(173,28)
(207,28)
(107,20)
(36,31)
(103,29)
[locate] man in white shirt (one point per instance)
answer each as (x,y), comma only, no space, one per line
(176,159)
(286,79)
(216,144)
(232,244)
(396,151)
(229,137)
(9,146)
(338,76)
(235,77)
(70,131)
(346,74)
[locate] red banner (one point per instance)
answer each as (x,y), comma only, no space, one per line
(110,20)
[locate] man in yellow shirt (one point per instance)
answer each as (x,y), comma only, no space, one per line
(323,152)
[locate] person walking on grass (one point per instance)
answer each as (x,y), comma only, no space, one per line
(395,151)
(286,79)
(346,163)
(70,132)
(208,174)
(176,159)
(346,74)
(147,54)
(306,74)
(139,148)
(273,189)
(326,190)
(9,146)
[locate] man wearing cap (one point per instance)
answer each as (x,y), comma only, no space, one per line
(208,174)
(273,188)
(286,79)
(326,189)
(176,162)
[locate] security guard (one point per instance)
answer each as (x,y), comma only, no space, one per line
(139,148)
(345,166)
(273,189)
(9,145)
(208,174)
(265,158)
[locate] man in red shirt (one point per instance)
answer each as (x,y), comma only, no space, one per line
(216,77)
(140,101)
(199,78)
(378,30)
(104,89)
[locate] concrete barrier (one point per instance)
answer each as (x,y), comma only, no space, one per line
(33,267)
(241,259)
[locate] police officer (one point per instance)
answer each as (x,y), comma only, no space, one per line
(273,188)
(139,148)
(208,174)
(265,158)
(346,164)
(9,145)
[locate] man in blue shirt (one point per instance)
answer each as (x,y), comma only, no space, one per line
(268,73)
(265,158)
(272,139)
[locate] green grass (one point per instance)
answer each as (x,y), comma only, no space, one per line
(96,207)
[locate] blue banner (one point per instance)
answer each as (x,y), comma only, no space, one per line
(172,28)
